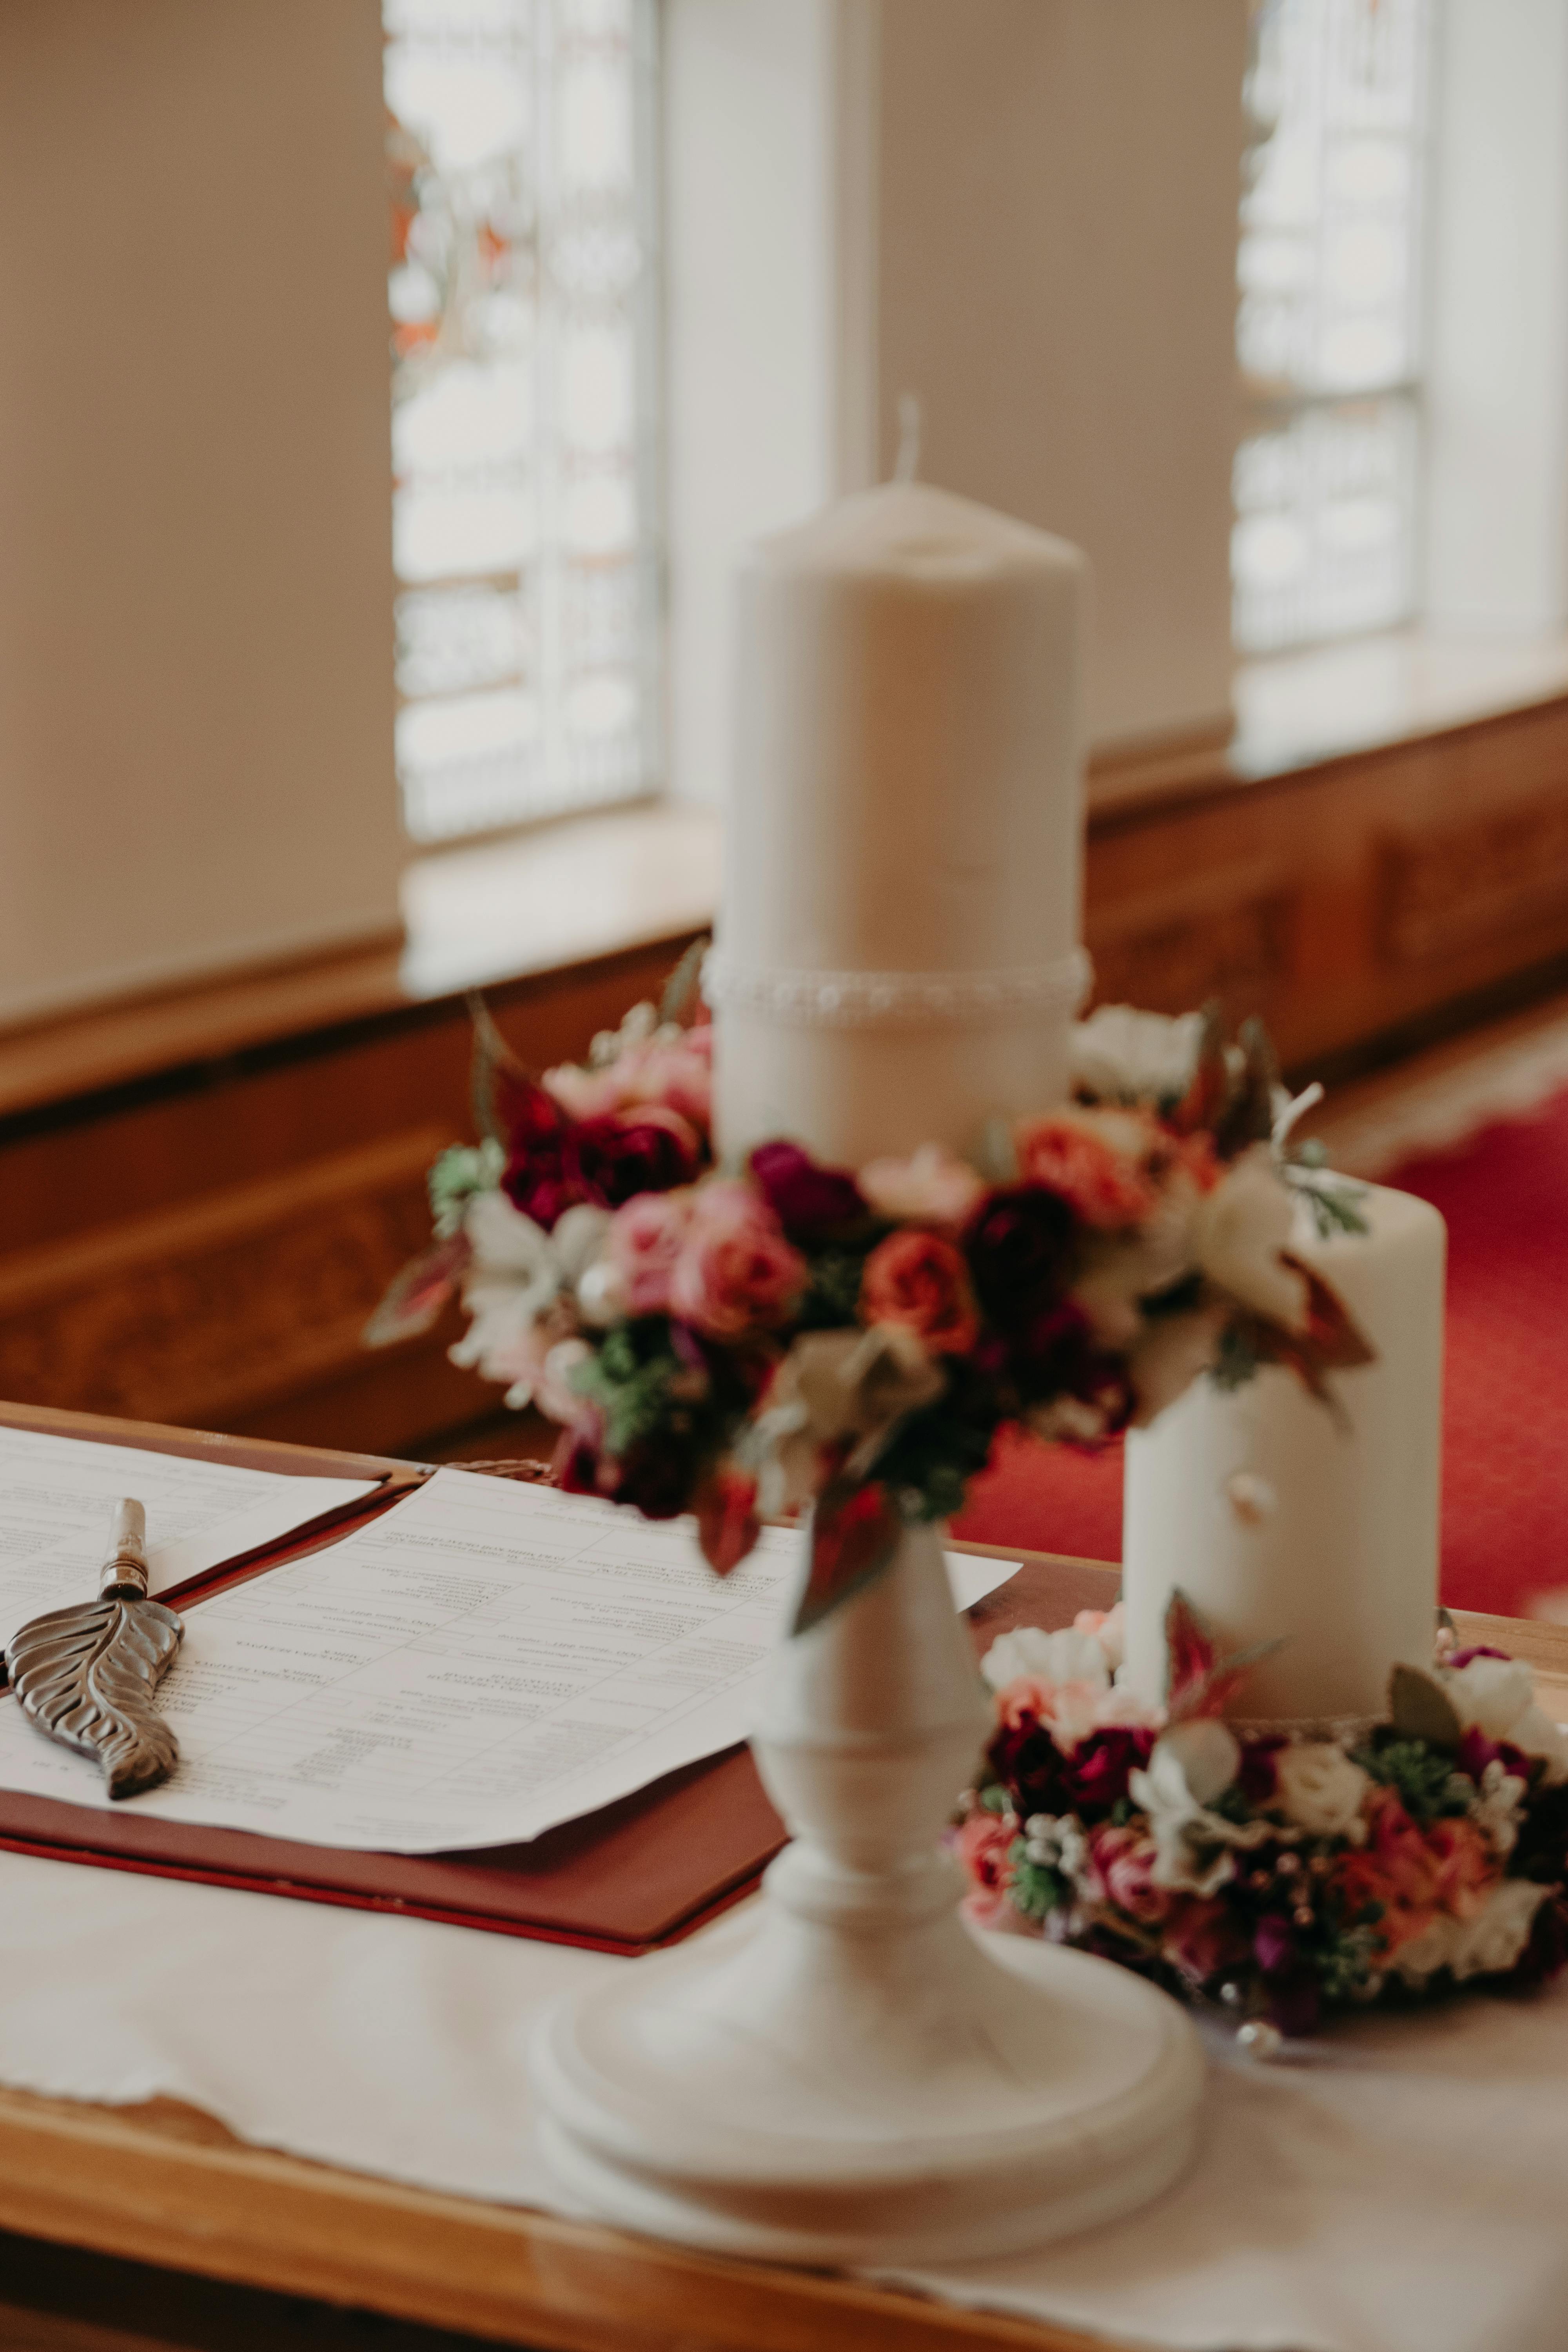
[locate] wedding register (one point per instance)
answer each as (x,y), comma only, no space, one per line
(479,1663)
(493,1704)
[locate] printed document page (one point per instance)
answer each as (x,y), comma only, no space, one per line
(57,1496)
(480,1663)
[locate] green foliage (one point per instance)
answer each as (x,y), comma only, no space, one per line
(833,1295)
(633,1378)
(1036,1889)
(994,1798)
(1334,1201)
(456,1176)
(1422,1777)
(935,1453)
(1346,1963)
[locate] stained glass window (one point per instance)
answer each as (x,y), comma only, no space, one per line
(1329,325)
(524,496)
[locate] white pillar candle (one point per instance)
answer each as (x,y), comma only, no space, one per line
(1279,1518)
(897,953)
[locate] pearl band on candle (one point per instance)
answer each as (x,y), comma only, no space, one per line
(878,1000)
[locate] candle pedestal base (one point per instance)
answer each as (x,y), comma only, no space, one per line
(850,2075)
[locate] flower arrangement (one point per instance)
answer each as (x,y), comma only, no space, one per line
(1281,1877)
(740,1341)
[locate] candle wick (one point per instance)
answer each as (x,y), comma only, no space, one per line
(907,464)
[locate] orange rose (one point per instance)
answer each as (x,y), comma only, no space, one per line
(1465,1870)
(1095,1160)
(921,1281)
(1397,1868)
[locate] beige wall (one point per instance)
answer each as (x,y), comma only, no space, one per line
(195,696)
(1058,228)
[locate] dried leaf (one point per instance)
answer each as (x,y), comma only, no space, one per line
(1248,1116)
(727,1522)
(1420,1708)
(86,1675)
(1198,1681)
(417,1295)
(1190,1648)
(496,1069)
(681,988)
(1208,1088)
(1330,1343)
(855,1531)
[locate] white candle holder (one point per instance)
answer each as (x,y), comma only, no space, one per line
(847,2073)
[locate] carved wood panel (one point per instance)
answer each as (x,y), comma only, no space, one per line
(200,1314)
(1227,936)
(1497,872)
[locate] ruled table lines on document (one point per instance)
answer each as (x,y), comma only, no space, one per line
(56,1494)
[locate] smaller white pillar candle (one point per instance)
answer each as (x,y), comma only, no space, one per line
(1277,1518)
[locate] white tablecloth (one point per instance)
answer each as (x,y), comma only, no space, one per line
(1403,2186)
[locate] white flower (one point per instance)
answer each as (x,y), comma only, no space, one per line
(511,1248)
(933,1184)
(1490,1693)
(1495,1808)
(1487,1945)
(1320,1790)
(1238,1232)
(577,1240)
(1192,1763)
(1057,1841)
(1536,1735)
(1068,1656)
(1108,1627)
(517,1292)
(1118,1055)
(1496,1697)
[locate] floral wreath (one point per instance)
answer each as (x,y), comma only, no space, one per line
(1278,1877)
(741,1341)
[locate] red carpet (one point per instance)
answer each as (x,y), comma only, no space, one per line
(1505,1485)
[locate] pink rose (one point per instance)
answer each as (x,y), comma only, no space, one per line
(679,1074)
(932,1185)
(643,1247)
(1095,1160)
(735,1269)
(984,1847)
(1068,1711)
(672,1073)
(923,1282)
(1121,1873)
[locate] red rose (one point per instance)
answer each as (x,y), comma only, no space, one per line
(811,1202)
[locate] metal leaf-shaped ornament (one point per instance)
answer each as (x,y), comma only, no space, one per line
(86,1676)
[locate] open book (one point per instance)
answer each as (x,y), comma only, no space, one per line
(459,1676)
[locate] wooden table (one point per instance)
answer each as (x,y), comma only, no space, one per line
(163,2184)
